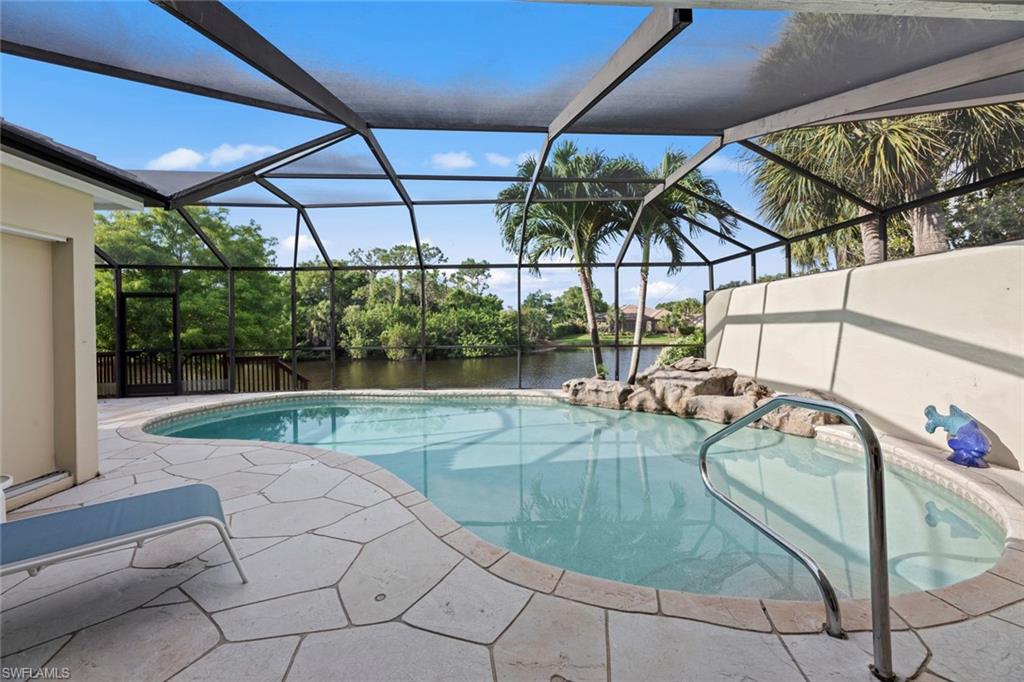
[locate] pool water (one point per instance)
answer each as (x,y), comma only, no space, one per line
(618,494)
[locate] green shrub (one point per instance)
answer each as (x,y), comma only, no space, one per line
(691,346)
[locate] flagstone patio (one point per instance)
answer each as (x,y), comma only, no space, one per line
(354,575)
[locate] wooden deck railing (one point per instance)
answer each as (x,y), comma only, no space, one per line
(202,371)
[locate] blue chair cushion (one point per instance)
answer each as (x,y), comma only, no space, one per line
(39,536)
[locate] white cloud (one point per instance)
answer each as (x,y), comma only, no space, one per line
(184,158)
(307,247)
(526,156)
(226,154)
(503,277)
(452,160)
(658,290)
(181,158)
(498,159)
(724,164)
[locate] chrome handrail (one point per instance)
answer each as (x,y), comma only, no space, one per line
(880,622)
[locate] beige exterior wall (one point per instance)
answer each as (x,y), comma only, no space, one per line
(890,339)
(48,379)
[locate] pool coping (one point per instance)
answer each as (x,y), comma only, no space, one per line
(999,586)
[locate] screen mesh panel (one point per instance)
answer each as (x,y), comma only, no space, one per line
(140,41)
(730,67)
(507,66)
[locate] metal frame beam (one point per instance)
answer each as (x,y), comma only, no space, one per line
(728,210)
(227,29)
(69,61)
(247,173)
(951,9)
(224,27)
(691,163)
(433,177)
(104,256)
(813,177)
(992,62)
(203,237)
(424,202)
(656,30)
(284,196)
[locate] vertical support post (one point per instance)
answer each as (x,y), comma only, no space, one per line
(295,357)
(753,267)
(120,336)
(232,376)
(519,326)
(615,321)
(789,260)
(883,232)
(711,277)
(704,317)
(332,334)
(423,328)
(176,316)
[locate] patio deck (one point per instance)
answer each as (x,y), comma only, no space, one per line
(353,575)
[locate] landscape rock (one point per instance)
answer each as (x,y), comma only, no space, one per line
(597,392)
(744,385)
(798,421)
(723,409)
(642,399)
(691,364)
(694,388)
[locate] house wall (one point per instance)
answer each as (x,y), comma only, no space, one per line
(48,366)
(890,339)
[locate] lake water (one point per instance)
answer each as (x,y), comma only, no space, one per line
(540,370)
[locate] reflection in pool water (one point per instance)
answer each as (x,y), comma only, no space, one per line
(618,494)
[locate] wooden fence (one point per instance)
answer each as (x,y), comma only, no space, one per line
(152,373)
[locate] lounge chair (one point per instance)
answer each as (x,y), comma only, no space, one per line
(38,541)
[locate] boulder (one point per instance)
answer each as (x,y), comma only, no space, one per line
(748,386)
(798,421)
(671,385)
(642,399)
(691,364)
(722,409)
(597,392)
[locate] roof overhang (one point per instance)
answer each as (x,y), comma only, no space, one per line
(104,197)
(38,155)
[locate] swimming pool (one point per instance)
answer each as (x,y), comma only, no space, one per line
(618,494)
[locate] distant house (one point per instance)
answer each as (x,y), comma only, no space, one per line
(655,321)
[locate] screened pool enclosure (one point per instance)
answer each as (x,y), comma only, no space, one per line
(704,81)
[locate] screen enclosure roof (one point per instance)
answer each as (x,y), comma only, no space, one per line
(729,70)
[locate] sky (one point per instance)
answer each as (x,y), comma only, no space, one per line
(522,47)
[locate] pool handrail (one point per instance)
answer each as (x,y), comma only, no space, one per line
(880,620)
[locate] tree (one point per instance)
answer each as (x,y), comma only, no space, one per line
(661,223)
(570,306)
(469,278)
(683,315)
(883,161)
(579,230)
(160,237)
(988,217)
(541,300)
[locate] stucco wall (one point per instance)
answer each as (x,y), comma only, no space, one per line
(48,417)
(26,376)
(890,339)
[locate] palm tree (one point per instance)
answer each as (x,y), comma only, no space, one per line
(559,229)
(662,224)
(884,161)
